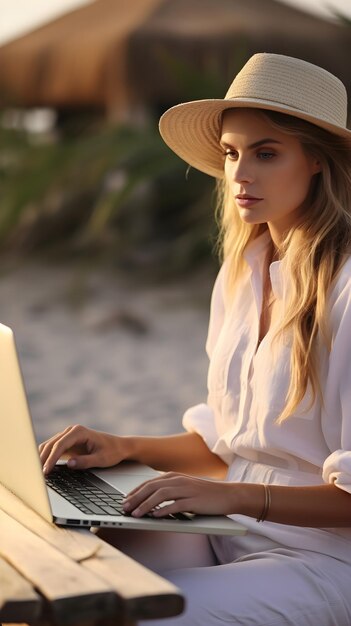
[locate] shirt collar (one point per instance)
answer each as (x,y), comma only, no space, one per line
(256,249)
(254,255)
(278,279)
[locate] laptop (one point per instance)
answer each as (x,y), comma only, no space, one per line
(72,497)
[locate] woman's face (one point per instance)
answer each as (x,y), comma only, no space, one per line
(267,171)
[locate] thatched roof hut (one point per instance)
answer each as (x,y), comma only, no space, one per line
(117,54)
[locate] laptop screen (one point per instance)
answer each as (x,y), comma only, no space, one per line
(20,467)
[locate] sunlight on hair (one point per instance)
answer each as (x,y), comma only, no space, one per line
(314,251)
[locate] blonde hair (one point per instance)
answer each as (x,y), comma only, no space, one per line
(313,251)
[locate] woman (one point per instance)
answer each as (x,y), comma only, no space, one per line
(275,433)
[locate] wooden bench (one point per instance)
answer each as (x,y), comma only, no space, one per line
(51,575)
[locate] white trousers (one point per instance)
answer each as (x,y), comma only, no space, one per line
(249,580)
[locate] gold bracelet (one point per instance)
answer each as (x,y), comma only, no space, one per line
(267,503)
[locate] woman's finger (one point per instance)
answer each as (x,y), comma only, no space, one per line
(162,477)
(159,506)
(145,489)
(177,506)
(137,489)
(45,446)
(84,461)
(62,445)
(148,499)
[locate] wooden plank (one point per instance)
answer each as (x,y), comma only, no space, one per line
(145,595)
(139,592)
(18,601)
(76,546)
(68,587)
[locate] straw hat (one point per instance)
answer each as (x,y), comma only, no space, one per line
(267,81)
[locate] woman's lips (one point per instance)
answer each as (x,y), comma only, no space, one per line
(246,201)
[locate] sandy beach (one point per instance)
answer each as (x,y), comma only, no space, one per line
(100,349)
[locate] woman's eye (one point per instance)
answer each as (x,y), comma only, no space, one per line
(265,156)
(231,154)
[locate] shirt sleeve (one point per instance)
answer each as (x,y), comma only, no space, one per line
(337,411)
(200,418)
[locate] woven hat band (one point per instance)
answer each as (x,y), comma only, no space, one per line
(283,80)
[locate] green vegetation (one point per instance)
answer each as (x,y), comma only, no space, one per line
(111,193)
(117,192)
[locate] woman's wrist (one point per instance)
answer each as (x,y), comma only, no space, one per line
(251,499)
(128,448)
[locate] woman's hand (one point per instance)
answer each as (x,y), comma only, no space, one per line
(85,448)
(182,493)
(185,452)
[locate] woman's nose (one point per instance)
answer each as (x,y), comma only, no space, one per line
(241,172)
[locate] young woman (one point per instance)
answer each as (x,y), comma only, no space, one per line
(275,433)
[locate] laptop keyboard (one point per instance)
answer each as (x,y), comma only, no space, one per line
(90,494)
(86,491)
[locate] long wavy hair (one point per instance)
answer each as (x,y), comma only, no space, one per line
(313,251)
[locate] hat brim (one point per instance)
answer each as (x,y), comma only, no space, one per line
(192,129)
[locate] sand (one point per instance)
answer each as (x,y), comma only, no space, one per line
(106,351)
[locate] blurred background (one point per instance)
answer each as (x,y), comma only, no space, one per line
(106,240)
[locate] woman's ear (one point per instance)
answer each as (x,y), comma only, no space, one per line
(316,166)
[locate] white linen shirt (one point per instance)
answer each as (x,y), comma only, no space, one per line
(247,386)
